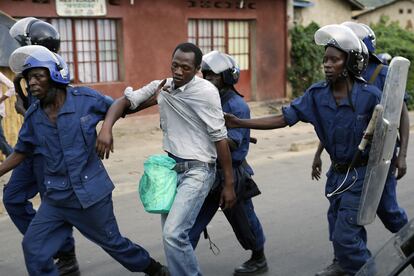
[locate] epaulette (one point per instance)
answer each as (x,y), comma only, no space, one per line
(32,108)
(318,85)
(83,91)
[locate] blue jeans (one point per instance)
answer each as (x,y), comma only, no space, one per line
(193,186)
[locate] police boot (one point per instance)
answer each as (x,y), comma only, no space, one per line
(255,266)
(156,269)
(332,270)
(67,264)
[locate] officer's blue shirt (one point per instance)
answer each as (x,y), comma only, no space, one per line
(339,127)
(234,104)
(74,176)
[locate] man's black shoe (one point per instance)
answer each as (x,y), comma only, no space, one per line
(332,270)
(252,267)
(67,264)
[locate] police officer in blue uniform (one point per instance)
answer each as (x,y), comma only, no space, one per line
(60,126)
(27,178)
(339,109)
(390,213)
(222,70)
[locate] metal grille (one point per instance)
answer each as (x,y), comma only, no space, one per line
(227,36)
(90,47)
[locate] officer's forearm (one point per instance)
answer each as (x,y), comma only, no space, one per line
(270,122)
(116,111)
(404,130)
(319,150)
(11,162)
(148,103)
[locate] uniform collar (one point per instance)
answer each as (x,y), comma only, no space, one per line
(329,100)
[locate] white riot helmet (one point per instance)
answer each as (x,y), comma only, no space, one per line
(220,63)
(26,58)
(363,32)
(344,39)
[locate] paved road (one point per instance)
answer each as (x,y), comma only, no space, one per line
(292,209)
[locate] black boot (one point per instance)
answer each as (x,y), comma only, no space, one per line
(332,270)
(156,269)
(67,264)
(255,266)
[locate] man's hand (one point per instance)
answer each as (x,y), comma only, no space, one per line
(316,167)
(401,166)
(162,86)
(231,120)
(104,143)
(227,197)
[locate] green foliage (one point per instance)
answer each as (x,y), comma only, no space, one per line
(396,41)
(306,58)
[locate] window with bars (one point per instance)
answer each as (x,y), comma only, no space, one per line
(228,36)
(90,47)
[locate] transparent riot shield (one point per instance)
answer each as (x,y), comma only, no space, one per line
(396,257)
(383,143)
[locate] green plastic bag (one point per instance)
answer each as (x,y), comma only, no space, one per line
(158,184)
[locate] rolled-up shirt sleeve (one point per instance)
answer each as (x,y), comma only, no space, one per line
(300,109)
(210,112)
(137,97)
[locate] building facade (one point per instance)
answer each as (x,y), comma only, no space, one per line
(324,12)
(398,10)
(130,42)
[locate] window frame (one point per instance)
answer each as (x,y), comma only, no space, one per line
(72,52)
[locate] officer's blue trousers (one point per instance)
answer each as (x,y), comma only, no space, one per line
(390,213)
(23,186)
(348,238)
(53,224)
(252,223)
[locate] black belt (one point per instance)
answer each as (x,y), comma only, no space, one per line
(184,166)
(343,167)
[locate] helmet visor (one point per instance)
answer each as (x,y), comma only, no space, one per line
(357,28)
(340,36)
(218,62)
(17,61)
(19,30)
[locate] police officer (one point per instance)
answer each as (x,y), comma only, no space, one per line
(61,126)
(339,109)
(222,70)
(390,213)
(27,178)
